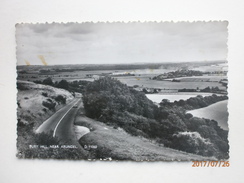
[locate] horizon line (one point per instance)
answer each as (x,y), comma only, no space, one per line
(135,63)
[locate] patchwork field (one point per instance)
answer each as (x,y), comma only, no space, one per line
(126,135)
(140,77)
(146,82)
(213,78)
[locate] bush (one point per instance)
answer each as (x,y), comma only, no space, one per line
(18,104)
(21,86)
(38,81)
(192,142)
(114,103)
(60,99)
(63,84)
(45,139)
(112,95)
(49,104)
(48,81)
(26,137)
(44,94)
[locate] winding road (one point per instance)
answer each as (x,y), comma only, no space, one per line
(61,123)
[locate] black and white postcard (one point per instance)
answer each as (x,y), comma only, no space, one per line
(152,91)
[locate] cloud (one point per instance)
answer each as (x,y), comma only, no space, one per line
(85,28)
(121,43)
(40,28)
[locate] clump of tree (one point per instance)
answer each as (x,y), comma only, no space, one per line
(63,84)
(21,86)
(60,99)
(207,129)
(49,104)
(114,103)
(207,89)
(193,142)
(44,94)
(48,81)
(105,96)
(73,86)
(78,85)
(194,102)
(177,74)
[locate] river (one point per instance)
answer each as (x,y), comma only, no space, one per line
(158,97)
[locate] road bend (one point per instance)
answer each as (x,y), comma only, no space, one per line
(61,123)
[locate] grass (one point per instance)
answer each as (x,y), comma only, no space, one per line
(146,82)
(217,112)
(141,79)
(116,144)
(31,99)
(205,78)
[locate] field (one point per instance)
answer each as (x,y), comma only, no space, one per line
(124,135)
(141,76)
(206,78)
(167,85)
(142,81)
(217,112)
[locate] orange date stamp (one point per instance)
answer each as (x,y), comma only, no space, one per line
(210,164)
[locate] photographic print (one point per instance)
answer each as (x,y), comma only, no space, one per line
(152,91)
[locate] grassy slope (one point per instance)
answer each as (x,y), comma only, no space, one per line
(217,111)
(30,110)
(30,101)
(119,145)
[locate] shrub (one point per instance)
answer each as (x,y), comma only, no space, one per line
(44,94)
(48,81)
(188,115)
(50,105)
(49,100)
(45,139)
(116,104)
(192,142)
(63,84)
(38,81)
(21,86)
(30,138)
(18,104)
(60,99)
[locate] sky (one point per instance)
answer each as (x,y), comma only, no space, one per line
(121,43)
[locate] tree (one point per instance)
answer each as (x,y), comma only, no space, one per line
(63,84)
(61,99)
(48,81)
(164,102)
